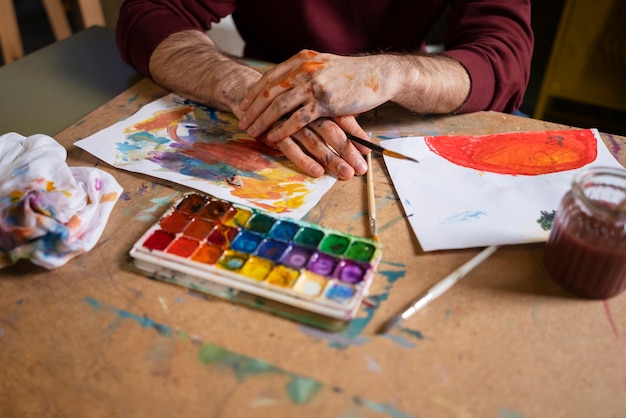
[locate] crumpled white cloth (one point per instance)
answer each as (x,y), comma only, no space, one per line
(49,212)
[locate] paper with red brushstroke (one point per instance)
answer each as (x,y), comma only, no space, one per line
(475,191)
(178,140)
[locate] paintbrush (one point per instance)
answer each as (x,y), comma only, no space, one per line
(377,148)
(438,289)
(371,200)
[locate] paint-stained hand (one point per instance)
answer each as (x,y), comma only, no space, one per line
(322,146)
(309,86)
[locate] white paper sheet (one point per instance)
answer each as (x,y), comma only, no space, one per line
(450,206)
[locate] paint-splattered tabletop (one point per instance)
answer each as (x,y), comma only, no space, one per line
(94,338)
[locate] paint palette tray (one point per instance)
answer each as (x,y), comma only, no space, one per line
(288,267)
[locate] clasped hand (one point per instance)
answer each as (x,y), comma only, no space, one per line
(310,99)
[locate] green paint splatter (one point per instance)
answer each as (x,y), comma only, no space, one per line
(143,321)
(381,408)
(392,264)
(399,339)
(149,214)
(302,389)
(299,389)
(391,223)
(242,366)
(416,334)
(210,353)
(507,413)
(546,219)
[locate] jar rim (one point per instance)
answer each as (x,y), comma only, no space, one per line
(584,177)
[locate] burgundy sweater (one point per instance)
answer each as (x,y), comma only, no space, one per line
(491,38)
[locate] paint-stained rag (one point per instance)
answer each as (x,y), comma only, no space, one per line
(49,212)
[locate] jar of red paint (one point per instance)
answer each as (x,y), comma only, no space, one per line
(586,250)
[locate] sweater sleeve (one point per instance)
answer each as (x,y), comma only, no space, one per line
(493,40)
(144,24)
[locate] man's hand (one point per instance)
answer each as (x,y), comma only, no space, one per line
(322,145)
(309,86)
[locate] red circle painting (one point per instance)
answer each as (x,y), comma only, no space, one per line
(519,153)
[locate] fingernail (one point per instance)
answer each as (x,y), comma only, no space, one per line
(345,170)
(252,131)
(244,104)
(316,171)
(360,167)
(243,123)
(271,136)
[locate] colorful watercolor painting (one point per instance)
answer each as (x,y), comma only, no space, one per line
(498,189)
(177,140)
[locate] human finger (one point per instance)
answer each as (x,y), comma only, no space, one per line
(293,151)
(334,136)
(254,103)
(279,71)
(285,115)
(325,155)
(348,123)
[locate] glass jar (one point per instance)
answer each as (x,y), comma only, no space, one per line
(586,250)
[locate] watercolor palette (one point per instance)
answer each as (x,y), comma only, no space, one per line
(289,267)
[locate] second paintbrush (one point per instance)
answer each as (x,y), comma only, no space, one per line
(377,148)
(371,199)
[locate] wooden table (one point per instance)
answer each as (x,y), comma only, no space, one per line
(93,338)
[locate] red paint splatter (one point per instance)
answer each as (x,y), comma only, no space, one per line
(519,153)
(162,119)
(245,155)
